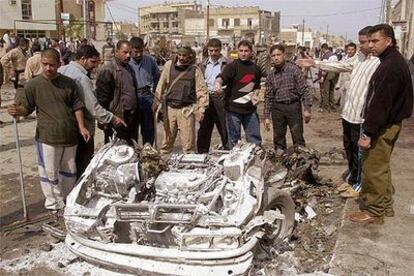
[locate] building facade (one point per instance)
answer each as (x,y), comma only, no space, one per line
(35,18)
(167,18)
(30,18)
(97,29)
(243,22)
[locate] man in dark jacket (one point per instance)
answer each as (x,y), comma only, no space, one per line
(389,101)
(211,67)
(116,92)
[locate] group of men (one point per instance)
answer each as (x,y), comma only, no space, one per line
(68,105)
(130,92)
(379,97)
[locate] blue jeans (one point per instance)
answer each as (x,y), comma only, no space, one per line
(251,126)
(146,118)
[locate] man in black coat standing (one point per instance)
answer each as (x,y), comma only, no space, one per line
(389,101)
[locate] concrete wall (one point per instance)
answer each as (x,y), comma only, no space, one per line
(194,26)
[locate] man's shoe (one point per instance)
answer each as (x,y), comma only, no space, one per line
(350,193)
(389,212)
(342,188)
(365,217)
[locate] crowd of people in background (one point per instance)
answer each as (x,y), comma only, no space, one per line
(200,85)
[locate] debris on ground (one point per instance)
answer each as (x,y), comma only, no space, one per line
(335,156)
(317,218)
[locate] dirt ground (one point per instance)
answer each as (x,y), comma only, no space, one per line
(29,251)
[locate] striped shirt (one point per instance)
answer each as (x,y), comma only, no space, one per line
(361,67)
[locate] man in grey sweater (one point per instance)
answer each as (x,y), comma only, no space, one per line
(86,60)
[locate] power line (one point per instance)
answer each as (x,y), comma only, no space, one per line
(110,13)
(331,14)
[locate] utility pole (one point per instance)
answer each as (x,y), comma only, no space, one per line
(85,25)
(327,32)
(260,27)
(60,19)
(303,32)
(58,11)
(208,20)
(388,11)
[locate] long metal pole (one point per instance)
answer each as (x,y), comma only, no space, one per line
(303,32)
(19,157)
(208,20)
(85,31)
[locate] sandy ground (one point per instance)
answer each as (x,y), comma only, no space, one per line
(29,251)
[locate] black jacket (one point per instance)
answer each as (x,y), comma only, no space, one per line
(390,94)
(116,88)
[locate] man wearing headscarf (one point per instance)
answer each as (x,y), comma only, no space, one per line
(184,97)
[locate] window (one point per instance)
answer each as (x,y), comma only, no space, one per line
(211,22)
(236,22)
(249,22)
(225,22)
(26,9)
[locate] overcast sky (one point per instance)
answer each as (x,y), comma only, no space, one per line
(343,17)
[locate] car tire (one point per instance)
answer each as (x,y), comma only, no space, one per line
(276,199)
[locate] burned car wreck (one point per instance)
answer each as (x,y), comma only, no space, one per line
(193,213)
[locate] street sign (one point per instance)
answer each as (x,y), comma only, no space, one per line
(65,16)
(401,25)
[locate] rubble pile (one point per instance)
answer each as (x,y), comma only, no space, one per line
(317,218)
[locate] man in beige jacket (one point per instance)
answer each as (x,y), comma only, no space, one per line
(184,97)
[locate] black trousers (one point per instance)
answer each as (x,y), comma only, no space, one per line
(351,134)
(214,115)
(284,115)
(84,153)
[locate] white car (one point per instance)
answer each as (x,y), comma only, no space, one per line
(195,214)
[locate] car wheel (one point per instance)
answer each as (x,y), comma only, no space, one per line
(280,201)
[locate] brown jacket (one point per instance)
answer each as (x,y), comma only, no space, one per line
(33,67)
(17,57)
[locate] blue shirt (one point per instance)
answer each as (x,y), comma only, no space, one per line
(146,72)
(213,69)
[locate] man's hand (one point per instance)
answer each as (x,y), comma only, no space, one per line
(154,107)
(267,124)
(116,121)
(12,110)
(305,62)
(321,80)
(307,116)
(199,116)
(364,143)
(255,97)
(218,89)
(85,134)
(16,110)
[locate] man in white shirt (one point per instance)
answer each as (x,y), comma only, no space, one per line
(345,77)
(361,66)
